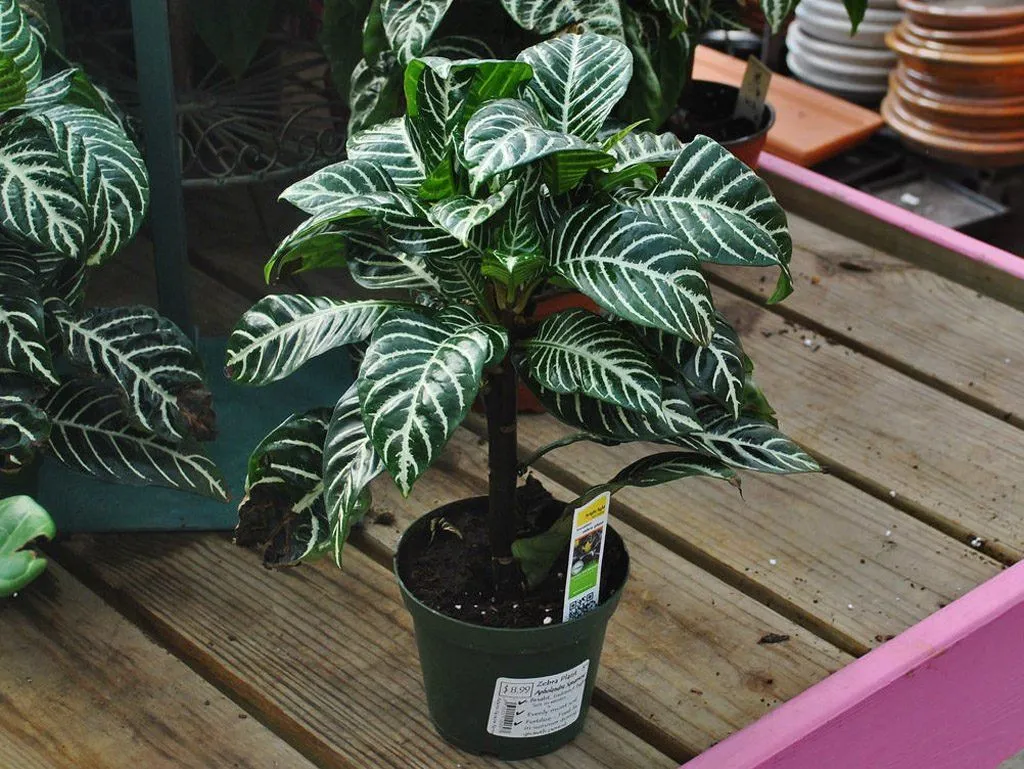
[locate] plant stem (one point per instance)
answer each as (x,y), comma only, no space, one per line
(502,460)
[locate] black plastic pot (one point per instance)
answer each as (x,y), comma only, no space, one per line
(707,108)
(466,669)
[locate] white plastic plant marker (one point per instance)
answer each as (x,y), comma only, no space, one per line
(586,554)
(533,707)
(753,91)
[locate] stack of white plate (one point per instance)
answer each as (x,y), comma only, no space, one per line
(822,52)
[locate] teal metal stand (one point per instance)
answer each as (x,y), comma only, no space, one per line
(157,101)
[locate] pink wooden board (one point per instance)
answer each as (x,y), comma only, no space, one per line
(926,229)
(946,694)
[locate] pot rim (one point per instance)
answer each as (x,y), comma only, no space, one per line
(767,120)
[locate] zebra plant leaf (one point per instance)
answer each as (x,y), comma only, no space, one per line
(150,361)
(670,466)
(283,509)
(375,264)
(375,92)
(417,235)
(634,268)
(112,165)
(335,185)
(578,80)
(20,43)
(460,215)
(409,25)
(721,209)
(716,369)
(23,345)
(777,11)
(575,351)
(417,382)
(460,279)
(24,428)
(283,331)
(350,463)
(547,16)
(390,146)
(607,422)
(645,148)
(516,251)
(91,433)
(42,204)
(507,133)
(748,443)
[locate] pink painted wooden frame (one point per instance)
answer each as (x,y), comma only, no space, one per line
(925,229)
(946,694)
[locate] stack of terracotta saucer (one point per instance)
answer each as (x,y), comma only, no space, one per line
(958,91)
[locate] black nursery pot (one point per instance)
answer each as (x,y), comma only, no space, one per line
(708,109)
(507,692)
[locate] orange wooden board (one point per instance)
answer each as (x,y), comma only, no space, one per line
(810,125)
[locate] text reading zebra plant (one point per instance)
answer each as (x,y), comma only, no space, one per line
(116,393)
(498,182)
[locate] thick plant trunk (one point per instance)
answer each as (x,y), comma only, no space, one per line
(502,459)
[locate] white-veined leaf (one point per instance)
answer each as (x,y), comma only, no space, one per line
(24,428)
(416,235)
(508,133)
(283,509)
(608,422)
(578,80)
(721,209)
(748,443)
(112,165)
(283,331)
(460,215)
(777,11)
(647,148)
(333,186)
(409,25)
(516,250)
(671,466)
(51,91)
(375,92)
(149,359)
(547,16)
(575,351)
(459,47)
(417,382)
(389,146)
(18,41)
(716,369)
(460,279)
(23,345)
(635,269)
(40,197)
(350,463)
(91,433)
(374,264)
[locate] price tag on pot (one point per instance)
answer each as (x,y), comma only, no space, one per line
(533,707)
(586,552)
(754,91)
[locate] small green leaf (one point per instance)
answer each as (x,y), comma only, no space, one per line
(537,554)
(22,521)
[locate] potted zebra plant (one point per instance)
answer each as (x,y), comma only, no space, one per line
(116,393)
(500,180)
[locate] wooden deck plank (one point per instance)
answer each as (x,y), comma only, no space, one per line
(682,650)
(851,567)
(939,459)
(80,686)
(938,331)
(323,656)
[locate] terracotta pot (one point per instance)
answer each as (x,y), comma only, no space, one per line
(964,14)
(974,89)
(711,103)
(999,36)
(956,150)
(943,129)
(993,72)
(963,114)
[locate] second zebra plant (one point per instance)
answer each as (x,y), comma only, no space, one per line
(499,181)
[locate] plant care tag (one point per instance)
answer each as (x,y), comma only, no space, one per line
(586,552)
(754,91)
(533,707)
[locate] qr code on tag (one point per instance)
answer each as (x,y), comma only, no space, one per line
(582,605)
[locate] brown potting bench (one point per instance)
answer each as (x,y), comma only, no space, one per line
(179,650)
